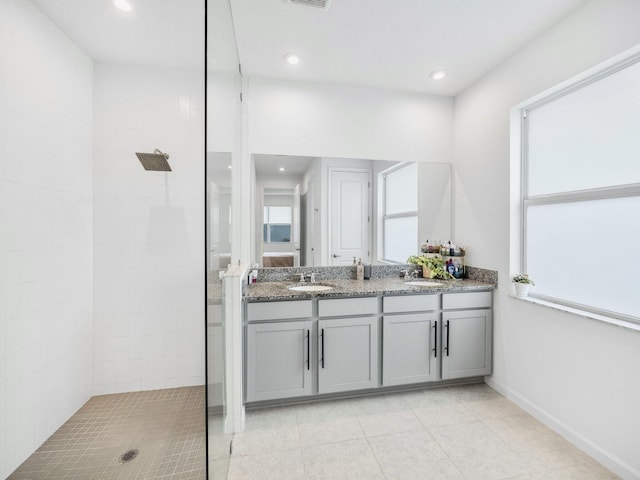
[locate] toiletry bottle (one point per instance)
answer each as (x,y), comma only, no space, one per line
(359,270)
(450,267)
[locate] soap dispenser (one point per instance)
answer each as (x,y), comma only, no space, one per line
(360,270)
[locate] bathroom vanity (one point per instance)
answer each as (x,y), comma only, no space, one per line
(364,336)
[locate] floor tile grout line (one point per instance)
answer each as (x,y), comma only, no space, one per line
(304,465)
(376,457)
(447,454)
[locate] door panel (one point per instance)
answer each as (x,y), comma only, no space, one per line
(408,354)
(295,226)
(348,354)
(278,360)
(349,217)
(466,343)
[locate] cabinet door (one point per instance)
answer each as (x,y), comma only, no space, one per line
(278,360)
(348,354)
(466,343)
(410,348)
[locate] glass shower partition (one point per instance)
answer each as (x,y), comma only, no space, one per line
(223,130)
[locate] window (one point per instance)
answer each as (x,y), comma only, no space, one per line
(399,212)
(277,224)
(581,193)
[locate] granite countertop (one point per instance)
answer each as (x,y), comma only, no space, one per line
(268,291)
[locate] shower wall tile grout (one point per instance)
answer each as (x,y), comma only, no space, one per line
(149,236)
(46,236)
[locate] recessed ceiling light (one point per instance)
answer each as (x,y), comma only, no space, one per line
(437,75)
(123,5)
(292,58)
(229,167)
(281,169)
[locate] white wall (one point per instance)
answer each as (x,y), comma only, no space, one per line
(324,120)
(337,121)
(577,374)
(149,230)
(222,104)
(45,230)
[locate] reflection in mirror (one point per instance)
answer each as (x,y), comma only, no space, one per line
(223,134)
(335,209)
(219,210)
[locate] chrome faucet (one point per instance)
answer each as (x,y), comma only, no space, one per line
(409,273)
(309,275)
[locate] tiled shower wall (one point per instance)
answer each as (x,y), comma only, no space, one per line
(149,230)
(46,246)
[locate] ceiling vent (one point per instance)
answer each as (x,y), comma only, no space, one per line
(323,4)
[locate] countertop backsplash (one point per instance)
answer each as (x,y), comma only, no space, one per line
(323,274)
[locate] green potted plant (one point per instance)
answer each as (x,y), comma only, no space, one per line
(432,267)
(522,283)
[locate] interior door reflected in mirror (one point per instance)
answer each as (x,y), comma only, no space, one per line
(318,211)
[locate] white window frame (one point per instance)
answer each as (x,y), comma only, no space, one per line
(519,150)
(383,216)
(264,222)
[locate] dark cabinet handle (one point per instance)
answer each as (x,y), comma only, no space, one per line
(308,351)
(322,347)
(435,336)
(447,347)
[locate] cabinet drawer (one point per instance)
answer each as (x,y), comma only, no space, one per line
(466,300)
(410,303)
(339,307)
(278,310)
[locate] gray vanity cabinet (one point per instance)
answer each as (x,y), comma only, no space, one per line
(347,344)
(278,360)
(410,349)
(347,354)
(466,335)
(410,339)
(296,348)
(278,353)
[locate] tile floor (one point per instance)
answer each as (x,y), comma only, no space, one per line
(166,426)
(462,432)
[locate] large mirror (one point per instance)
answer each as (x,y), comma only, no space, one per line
(318,211)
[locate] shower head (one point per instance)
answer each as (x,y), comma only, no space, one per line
(156,161)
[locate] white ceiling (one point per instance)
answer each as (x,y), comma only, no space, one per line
(391,44)
(156,32)
(270,164)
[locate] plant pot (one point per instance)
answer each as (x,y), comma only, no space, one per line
(427,272)
(522,289)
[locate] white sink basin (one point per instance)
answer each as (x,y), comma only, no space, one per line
(422,283)
(310,288)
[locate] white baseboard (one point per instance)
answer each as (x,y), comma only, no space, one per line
(612,462)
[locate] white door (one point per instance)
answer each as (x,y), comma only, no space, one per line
(311,246)
(349,216)
(295,226)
